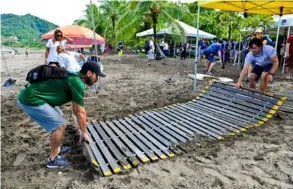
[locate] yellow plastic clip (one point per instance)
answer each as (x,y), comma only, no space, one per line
(107,173)
(95,163)
(127,166)
(163,157)
(117,169)
(275,107)
(272,112)
(283,98)
(145,159)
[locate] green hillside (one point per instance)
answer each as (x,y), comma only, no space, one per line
(26,28)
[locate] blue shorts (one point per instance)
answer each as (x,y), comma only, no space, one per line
(211,58)
(258,70)
(48,117)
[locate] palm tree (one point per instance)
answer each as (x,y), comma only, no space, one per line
(162,14)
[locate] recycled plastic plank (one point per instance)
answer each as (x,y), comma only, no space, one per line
(121,158)
(115,167)
(220,110)
(136,140)
(163,147)
(163,128)
(130,145)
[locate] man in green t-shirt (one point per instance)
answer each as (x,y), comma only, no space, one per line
(40,101)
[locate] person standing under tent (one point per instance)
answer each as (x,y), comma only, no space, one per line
(184,47)
(265,60)
(52,44)
(151,51)
(166,49)
(289,56)
(162,44)
(210,53)
(68,60)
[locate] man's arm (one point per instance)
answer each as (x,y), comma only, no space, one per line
(46,55)
(242,75)
(275,64)
(80,114)
(287,50)
(220,56)
(81,56)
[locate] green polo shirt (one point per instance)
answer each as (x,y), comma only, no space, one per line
(54,92)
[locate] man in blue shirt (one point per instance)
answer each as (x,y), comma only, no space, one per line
(210,53)
(265,61)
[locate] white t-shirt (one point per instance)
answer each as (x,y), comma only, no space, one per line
(69,61)
(52,57)
(152,46)
(166,47)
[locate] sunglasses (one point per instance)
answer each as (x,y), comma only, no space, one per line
(58,35)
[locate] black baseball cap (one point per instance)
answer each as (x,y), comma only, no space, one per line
(93,67)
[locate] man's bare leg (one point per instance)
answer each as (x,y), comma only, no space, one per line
(252,80)
(56,137)
(211,66)
(288,72)
(264,81)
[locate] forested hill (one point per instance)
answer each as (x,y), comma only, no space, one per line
(26,27)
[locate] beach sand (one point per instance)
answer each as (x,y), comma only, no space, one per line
(260,158)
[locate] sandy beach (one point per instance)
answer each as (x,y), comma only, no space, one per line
(259,158)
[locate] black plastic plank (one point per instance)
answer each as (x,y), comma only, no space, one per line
(135,140)
(128,154)
(121,158)
(161,126)
(202,123)
(97,153)
(235,103)
(129,144)
(151,127)
(217,122)
(181,132)
(227,110)
(226,115)
(163,146)
(256,96)
(199,126)
(221,120)
(247,99)
(185,123)
(173,124)
(231,106)
(143,139)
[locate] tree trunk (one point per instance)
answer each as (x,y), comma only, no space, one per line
(155,34)
(113,24)
(230,30)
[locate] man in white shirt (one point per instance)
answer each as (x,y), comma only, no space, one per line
(151,52)
(68,60)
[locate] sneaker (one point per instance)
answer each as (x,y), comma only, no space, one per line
(208,73)
(64,149)
(223,67)
(58,162)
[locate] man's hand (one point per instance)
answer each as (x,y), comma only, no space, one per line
(84,137)
(238,85)
(270,78)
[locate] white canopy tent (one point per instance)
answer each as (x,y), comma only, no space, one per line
(188,30)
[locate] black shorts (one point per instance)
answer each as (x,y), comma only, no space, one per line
(258,70)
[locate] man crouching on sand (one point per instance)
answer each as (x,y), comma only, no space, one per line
(265,61)
(40,101)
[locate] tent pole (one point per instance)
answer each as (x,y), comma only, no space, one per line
(279,24)
(93,25)
(239,53)
(288,34)
(196,46)
(174,49)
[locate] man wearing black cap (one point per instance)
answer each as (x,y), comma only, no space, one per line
(40,100)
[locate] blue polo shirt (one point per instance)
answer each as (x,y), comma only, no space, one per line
(213,49)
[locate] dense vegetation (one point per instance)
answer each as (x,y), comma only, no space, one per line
(27,28)
(122,19)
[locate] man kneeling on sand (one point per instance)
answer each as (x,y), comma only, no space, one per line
(40,100)
(265,61)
